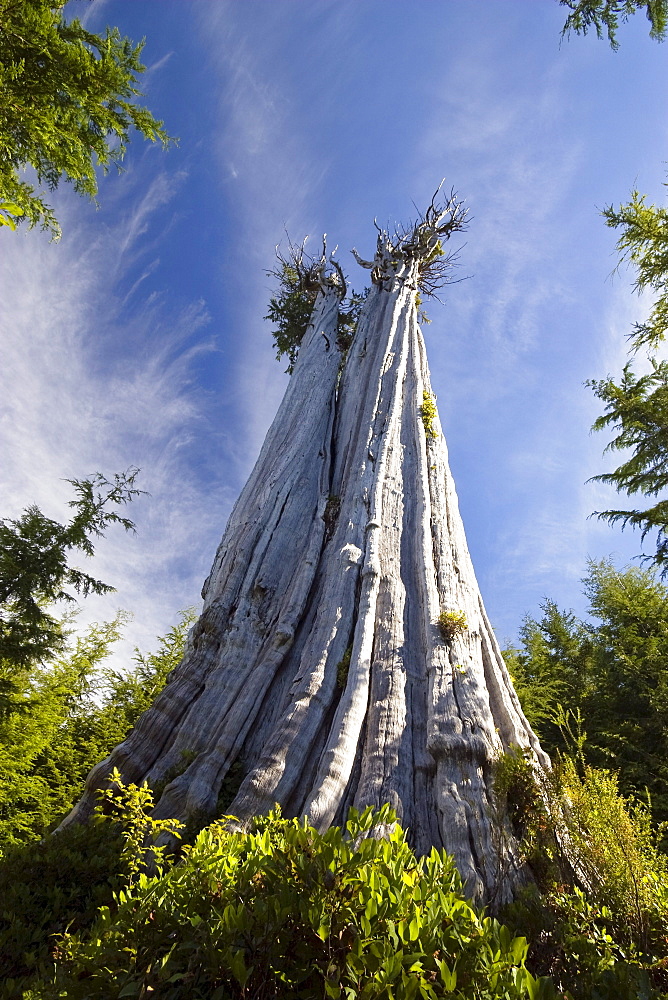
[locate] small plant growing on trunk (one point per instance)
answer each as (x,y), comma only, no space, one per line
(428,412)
(422,316)
(342,668)
(451,624)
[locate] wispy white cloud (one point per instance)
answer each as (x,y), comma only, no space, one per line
(159,64)
(88,385)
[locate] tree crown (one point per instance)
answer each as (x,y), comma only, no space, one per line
(604,17)
(420,243)
(67,105)
(34,567)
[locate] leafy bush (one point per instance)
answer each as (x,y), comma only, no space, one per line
(285,911)
(518,796)
(47,887)
(617,855)
(61,882)
(572,940)
(129,807)
(600,928)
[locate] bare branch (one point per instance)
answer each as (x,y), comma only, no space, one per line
(420,242)
(311,274)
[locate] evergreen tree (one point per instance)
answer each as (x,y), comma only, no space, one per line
(67,105)
(35,571)
(636,407)
(611,672)
(643,243)
(66,716)
(604,17)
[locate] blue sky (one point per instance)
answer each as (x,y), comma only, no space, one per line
(139,338)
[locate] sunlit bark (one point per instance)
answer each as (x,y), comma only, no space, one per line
(317,672)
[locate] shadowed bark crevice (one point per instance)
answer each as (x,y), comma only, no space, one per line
(346,544)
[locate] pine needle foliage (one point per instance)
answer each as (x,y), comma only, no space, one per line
(299,279)
(609,670)
(67,716)
(637,409)
(67,106)
(643,243)
(604,17)
(636,406)
(35,570)
(290,310)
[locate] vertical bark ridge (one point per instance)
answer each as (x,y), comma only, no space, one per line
(254,596)
(473,717)
(387,761)
(363,412)
(339,756)
(419,719)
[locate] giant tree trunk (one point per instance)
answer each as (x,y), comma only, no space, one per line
(317,672)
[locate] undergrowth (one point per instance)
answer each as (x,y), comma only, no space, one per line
(597,916)
(281,910)
(278,909)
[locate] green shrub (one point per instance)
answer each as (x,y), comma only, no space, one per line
(617,855)
(47,887)
(129,808)
(59,883)
(283,911)
(573,941)
(600,927)
(518,796)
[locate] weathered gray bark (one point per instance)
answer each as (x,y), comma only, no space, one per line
(346,542)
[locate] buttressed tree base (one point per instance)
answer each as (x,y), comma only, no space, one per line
(343,657)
